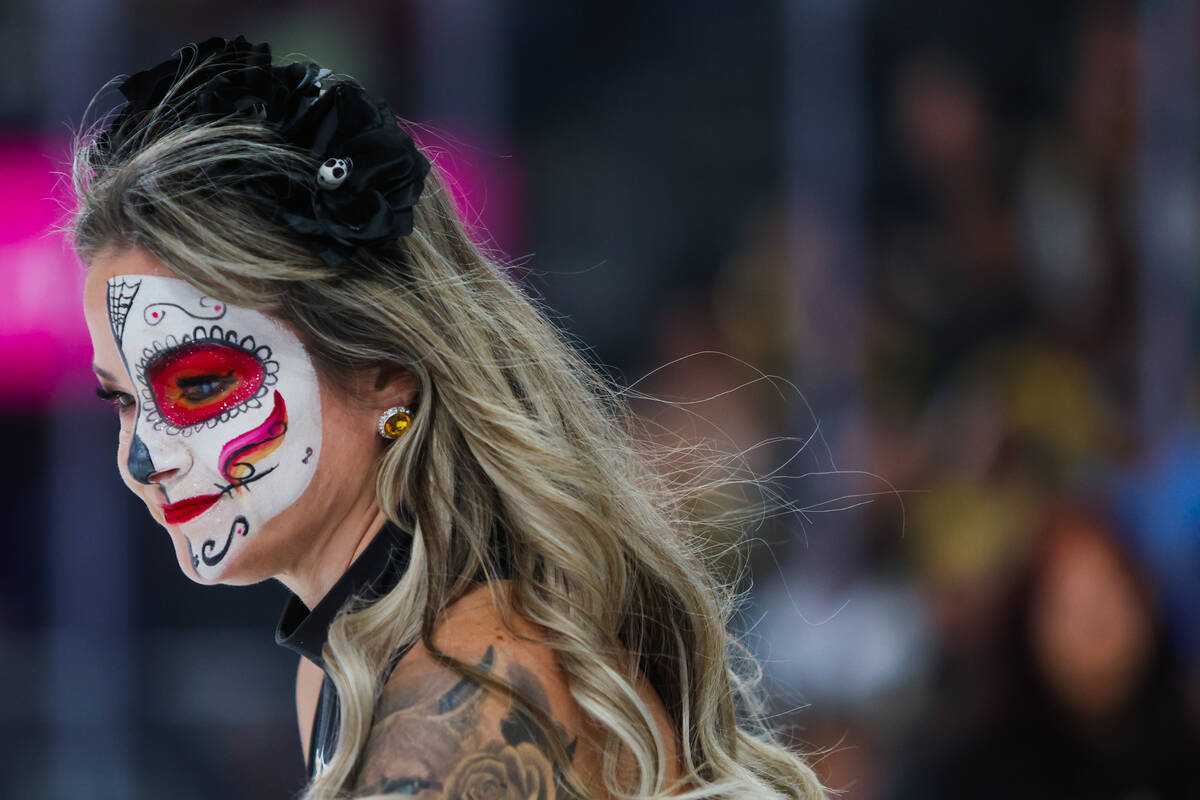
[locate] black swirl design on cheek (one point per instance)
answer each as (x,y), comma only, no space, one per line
(154,313)
(200,334)
(239,527)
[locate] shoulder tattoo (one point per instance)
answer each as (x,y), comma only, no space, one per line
(449,739)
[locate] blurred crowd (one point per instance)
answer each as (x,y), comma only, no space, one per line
(1015,611)
(987,581)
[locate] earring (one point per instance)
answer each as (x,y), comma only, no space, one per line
(394,422)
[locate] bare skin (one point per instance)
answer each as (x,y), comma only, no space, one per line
(436,735)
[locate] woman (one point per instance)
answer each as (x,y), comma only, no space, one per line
(322,380)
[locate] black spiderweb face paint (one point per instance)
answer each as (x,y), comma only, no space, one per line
(121,293)
(228,408)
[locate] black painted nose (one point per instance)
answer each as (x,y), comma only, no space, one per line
(141,467)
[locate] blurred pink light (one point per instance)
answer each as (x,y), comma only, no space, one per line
(486,183)
(44,347)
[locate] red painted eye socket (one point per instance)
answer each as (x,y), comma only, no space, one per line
(196,382)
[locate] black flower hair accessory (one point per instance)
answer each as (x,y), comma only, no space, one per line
(367,173)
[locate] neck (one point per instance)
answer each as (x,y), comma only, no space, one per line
(333,553)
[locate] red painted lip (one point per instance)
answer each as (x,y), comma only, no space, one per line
(189,508)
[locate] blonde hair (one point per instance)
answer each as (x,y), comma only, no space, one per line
(514,430)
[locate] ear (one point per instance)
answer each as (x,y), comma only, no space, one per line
(390,385)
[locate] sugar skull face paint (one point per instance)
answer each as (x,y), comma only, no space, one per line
(229,412)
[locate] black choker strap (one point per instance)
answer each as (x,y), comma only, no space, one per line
(376,571)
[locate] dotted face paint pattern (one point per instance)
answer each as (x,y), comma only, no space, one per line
(205,377)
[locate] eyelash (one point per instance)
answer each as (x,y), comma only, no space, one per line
(121,401)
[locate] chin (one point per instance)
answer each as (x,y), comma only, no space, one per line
(210,555)
(234,570)
(210,558)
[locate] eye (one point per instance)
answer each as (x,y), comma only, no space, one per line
(196,382)
(121,401)
(202,388)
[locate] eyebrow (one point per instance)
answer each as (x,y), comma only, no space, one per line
(104,374)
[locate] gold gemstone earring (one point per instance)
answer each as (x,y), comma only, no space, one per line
(394,422)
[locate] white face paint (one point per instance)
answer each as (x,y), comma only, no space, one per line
(228,398)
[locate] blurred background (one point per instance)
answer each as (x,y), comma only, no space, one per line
(962,237)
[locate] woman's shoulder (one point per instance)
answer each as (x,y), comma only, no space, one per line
(436,731)
(474,630)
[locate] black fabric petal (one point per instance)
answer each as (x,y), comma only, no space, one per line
(322,118)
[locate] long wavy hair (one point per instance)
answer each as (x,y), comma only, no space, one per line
(515,435)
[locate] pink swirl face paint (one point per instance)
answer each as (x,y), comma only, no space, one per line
(240,454)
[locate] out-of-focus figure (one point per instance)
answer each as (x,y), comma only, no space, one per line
(1088,700)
